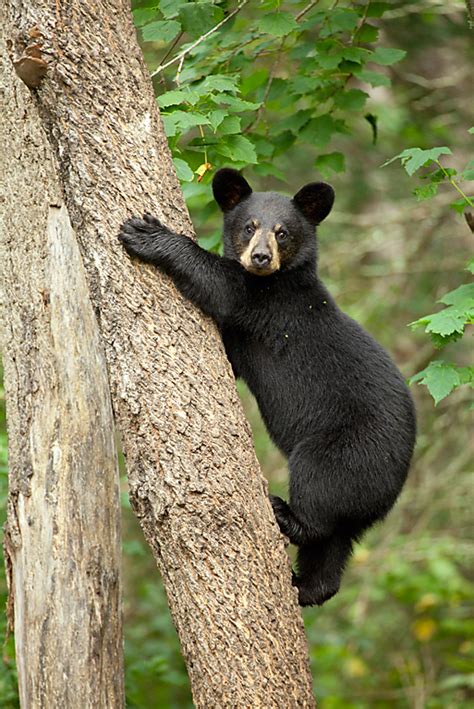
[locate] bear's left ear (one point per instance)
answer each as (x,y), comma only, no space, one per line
(315,201)
(229,188)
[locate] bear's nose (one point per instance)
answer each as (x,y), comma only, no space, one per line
(260,259)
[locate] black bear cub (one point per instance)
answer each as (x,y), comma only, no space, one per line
(330,396)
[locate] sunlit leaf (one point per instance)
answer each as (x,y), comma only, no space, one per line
(175,98)
(343,19)
(199,17)
(374,78)
(161,31)
(278,24)
(414,158)
(238,148)
(183,170)
(387,55)
(142,15)
(440,379)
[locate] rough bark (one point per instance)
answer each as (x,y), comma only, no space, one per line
(62,539)
(194,480)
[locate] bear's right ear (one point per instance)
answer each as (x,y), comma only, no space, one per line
(229,188)
(315,201)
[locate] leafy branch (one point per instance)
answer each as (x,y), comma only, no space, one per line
(225,95)
(202,38)
(447,325)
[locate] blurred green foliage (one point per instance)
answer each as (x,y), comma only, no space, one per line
(293,90)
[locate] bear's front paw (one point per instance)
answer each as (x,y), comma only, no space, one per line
(139,236)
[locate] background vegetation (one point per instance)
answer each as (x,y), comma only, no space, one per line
(293,91)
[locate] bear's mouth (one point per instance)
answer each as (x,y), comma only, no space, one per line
(261,255)
(266,270)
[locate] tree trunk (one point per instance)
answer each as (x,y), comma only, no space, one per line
(194,480)
(62,539)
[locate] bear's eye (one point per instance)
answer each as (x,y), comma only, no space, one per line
(249,229)
(281,235)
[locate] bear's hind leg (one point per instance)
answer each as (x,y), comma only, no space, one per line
(320,568)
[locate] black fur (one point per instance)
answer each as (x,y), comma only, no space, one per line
(330,396)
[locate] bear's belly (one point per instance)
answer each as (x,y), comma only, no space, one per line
(283,394)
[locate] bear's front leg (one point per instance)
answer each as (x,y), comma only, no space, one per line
(214,284)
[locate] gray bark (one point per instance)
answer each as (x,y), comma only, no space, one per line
(62,539)
(194,480)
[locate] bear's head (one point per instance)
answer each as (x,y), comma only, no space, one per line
(266,231)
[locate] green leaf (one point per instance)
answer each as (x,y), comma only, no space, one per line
(278,24)
(161,31)
(467,174)
(470,266)
(367,33)
(460,204)
(238,148)
(466,375)
(170,8)
(181,121)
(462,298)
(177,97)
(270,4)
(319,130)
(352,100)
(448,324)
(294,122)
(377,9)
(220,83)
(426,192)
(237,104)
(199,17)
(183,170)
(142,15)
(444,323)
(359,55)
(169,124)
(330,162)
(374,78)
(471,130)
(329,60)
(230,125)
(439,175)
(414,158)
(342,20)
(387,56)
(301,85)
(216,117)
(440,378)
(253,81)
(266,169)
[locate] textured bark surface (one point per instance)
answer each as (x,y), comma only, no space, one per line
(194,480)
(62,539)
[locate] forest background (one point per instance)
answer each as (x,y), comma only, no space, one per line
(297,91)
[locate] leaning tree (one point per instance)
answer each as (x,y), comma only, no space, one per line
(82,148)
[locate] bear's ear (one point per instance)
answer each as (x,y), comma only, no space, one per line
(229,188)
(315,201)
